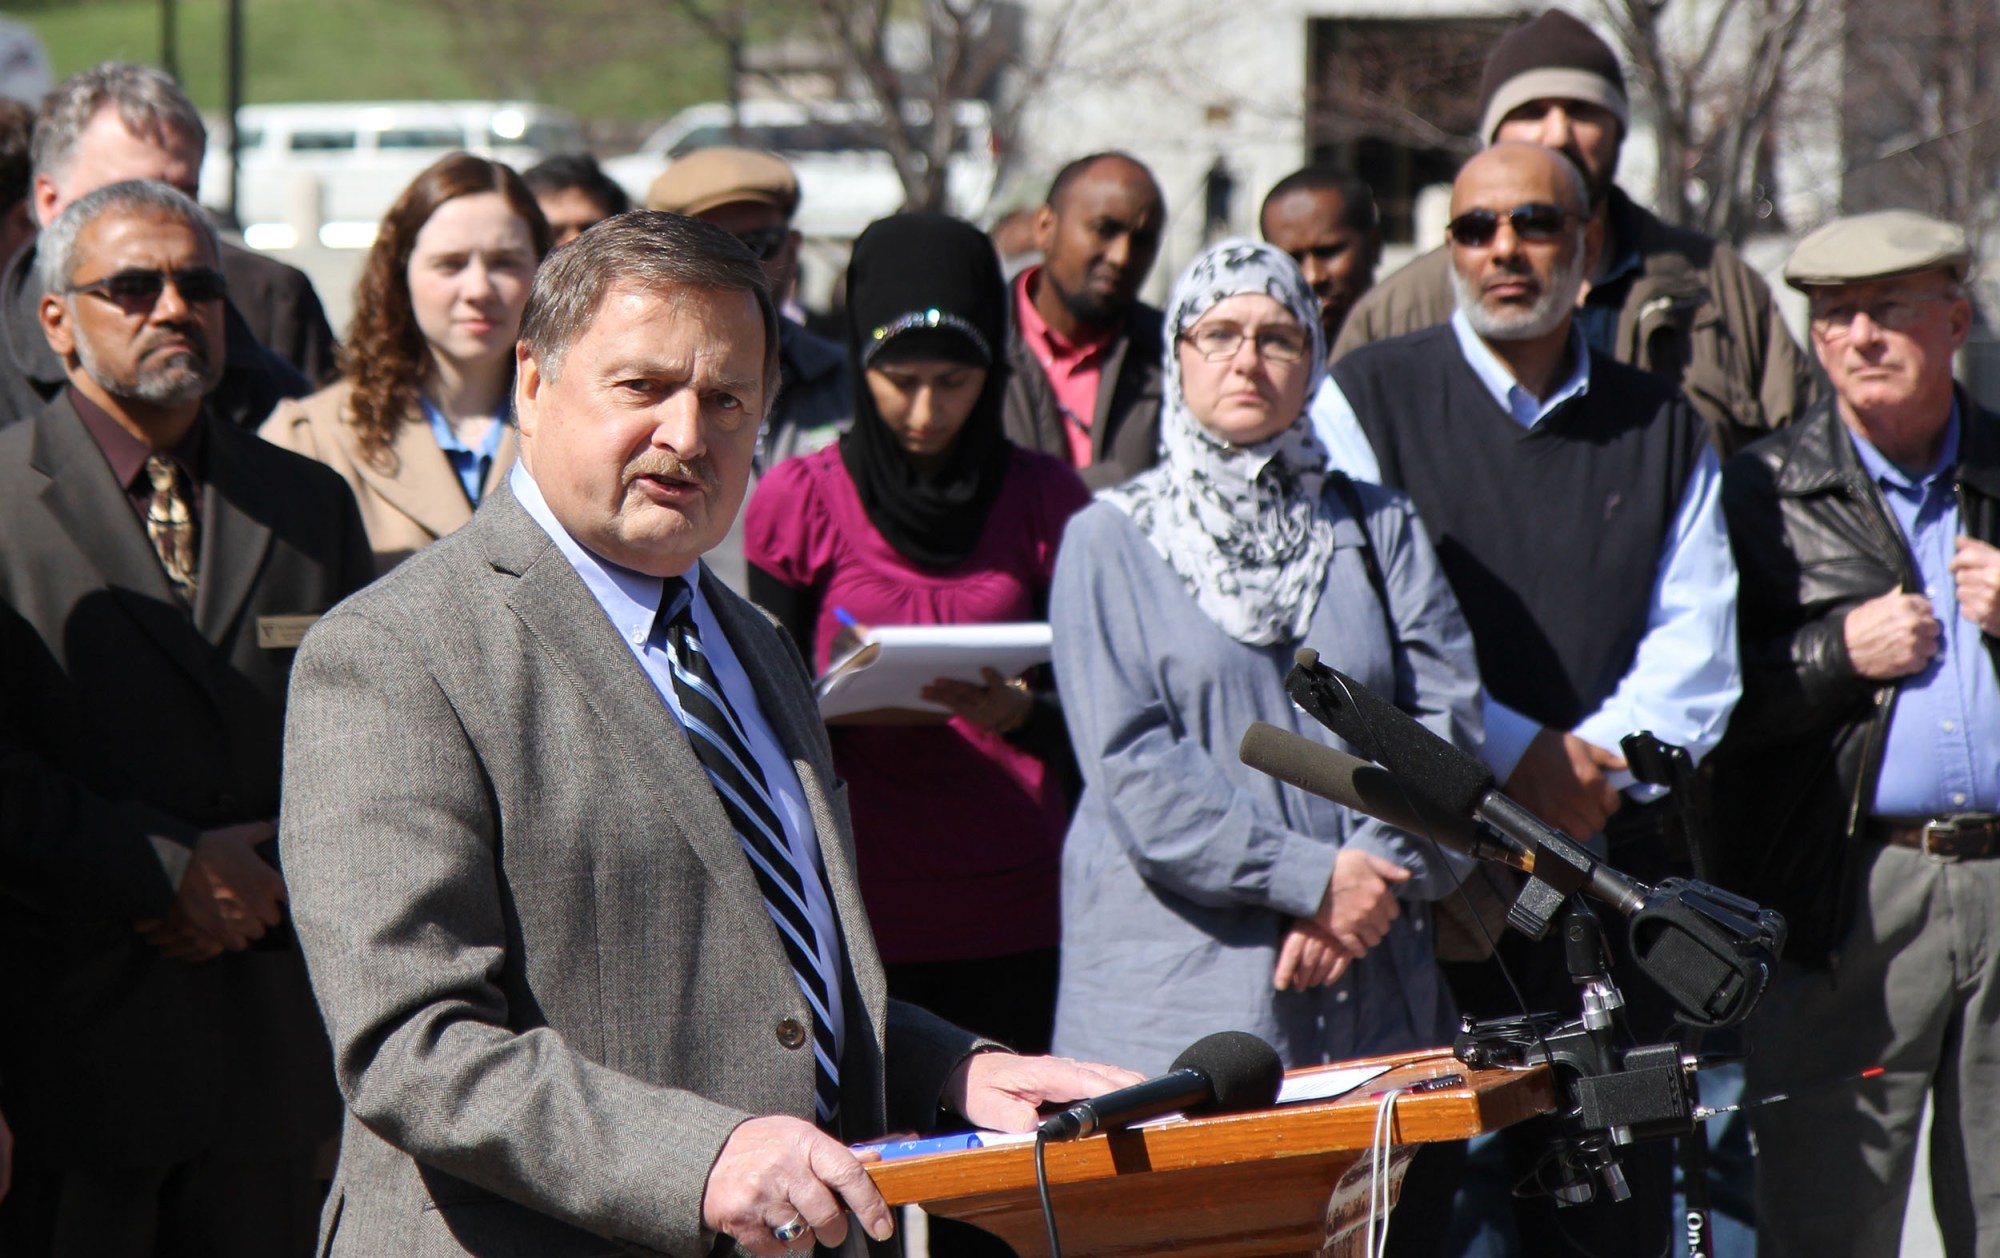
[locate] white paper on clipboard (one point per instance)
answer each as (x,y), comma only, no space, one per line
(906,658)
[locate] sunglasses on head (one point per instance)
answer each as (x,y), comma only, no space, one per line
(1535,221)
(765,241)
(140,289)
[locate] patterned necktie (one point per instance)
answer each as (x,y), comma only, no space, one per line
(717,737)
(170,525)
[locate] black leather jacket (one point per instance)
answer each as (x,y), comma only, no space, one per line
(1814,539)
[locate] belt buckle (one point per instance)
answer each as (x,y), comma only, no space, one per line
(1946,826)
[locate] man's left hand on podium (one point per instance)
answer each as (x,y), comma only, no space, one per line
(1004,1091)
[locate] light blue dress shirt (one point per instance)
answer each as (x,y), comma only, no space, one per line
(1943,752)
(472,465)
(1685,677)
(631,601)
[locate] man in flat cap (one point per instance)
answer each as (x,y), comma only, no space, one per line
(1859,782)
(1662,298)
(753,195)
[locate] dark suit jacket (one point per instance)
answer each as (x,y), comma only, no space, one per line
(282,311)
(551,982)
(127,726)
(254,380)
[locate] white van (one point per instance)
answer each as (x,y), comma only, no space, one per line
(847,179)
(351,160)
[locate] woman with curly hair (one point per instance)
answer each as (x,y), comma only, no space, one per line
(420,421)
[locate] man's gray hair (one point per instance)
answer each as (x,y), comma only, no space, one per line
(649,251)
(150,104)
(55,250)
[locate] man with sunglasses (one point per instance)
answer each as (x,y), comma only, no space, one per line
(119,121)
(167,1076)
(1574,503)
(753,195)
(1859,787)
(1662,298)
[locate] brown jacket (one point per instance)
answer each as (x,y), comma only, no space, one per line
(1125,432)
(1695,313)
(417,500)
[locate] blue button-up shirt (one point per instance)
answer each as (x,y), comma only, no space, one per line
(632,600)
(1943,753)
(473,466)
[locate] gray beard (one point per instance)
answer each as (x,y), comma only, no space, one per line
(1538,320)
(181,379)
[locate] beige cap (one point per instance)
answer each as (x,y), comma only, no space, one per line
(710,177)
(1876,247)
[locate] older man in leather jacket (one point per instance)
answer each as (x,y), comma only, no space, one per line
(1859,783)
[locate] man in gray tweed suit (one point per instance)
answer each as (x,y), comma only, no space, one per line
(568,858)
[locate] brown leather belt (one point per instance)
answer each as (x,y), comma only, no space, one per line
(1969,837)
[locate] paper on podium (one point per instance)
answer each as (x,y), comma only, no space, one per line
(897,661)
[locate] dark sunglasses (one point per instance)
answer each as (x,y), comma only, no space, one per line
(765,241)
(140,289)
(1534,221)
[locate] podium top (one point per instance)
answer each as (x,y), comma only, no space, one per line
(1488,1101)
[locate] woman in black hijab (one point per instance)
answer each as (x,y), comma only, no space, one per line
(925,514)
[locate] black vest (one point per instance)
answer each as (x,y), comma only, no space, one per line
(1551,536)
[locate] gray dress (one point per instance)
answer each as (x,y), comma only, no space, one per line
(1184,868)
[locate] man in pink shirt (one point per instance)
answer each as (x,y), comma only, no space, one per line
(1086,353)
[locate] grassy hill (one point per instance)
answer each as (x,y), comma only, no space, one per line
(369,50)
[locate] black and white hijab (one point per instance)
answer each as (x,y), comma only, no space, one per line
(1241,525)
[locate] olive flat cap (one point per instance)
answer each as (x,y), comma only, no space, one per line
(1877,246)
(710,177)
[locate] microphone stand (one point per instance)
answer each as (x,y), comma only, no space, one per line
(1710,950)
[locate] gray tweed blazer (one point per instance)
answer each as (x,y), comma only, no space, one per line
(551,984)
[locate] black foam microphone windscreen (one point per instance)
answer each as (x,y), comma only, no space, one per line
(1333,774)
(1429,768)
(1243,1071)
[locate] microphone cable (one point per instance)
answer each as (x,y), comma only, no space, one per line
(1042,1190)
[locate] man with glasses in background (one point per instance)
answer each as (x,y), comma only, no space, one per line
(1859,786)
(1574,503)
(753,195)
(1660,297)
(164,1068)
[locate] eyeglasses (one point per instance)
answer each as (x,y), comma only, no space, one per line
(139,290)
(1537,221)
(1284,343)
(765,241)
(1891,314)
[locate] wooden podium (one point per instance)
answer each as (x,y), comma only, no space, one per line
(1291,1180)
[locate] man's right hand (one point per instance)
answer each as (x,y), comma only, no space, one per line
(774,1169)
(229,896)
(1560,779)
(1891,636)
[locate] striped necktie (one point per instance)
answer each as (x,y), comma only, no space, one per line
(717,737)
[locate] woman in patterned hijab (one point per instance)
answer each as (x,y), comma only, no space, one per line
(1197,892)
(1234,504)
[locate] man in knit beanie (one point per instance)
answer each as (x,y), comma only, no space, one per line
(1662,298)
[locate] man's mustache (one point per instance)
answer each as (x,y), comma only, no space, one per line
(187,341)
(672,467)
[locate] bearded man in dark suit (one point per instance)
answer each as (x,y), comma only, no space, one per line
(163,1065)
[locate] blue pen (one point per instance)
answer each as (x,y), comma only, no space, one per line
(846,617)
(917,1148)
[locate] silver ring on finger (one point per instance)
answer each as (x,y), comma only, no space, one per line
(792,1229)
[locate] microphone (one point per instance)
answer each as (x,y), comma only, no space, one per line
(1368,788)
(1448,780)
(1217,1074)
